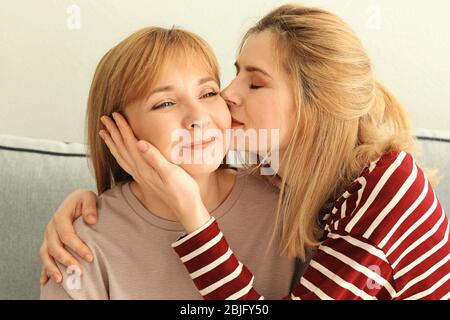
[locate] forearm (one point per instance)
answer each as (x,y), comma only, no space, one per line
(211,264)
(339,269)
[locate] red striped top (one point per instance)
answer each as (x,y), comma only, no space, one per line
(387,237)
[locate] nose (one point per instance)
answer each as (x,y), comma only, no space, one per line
(197,117)
(199,124)
(230,95)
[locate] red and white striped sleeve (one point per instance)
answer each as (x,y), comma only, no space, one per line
(332,274)
(386,238)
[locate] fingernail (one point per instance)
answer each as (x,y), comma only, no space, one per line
(91,218)
(142,146)
(57,278)
(88,257)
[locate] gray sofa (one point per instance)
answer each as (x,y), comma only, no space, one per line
(36,175)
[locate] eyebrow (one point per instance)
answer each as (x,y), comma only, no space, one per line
(252,69)
(171,88)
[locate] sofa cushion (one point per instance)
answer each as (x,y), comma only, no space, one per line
(35,176)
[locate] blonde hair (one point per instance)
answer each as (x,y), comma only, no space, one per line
(126,74)
(344,119)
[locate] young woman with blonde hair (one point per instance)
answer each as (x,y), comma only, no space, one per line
(163,81)
(351,194)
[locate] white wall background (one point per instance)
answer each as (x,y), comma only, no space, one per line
(47,62)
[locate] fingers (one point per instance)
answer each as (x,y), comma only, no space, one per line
(89,207)
(130,140)
(151,164)
(49,267)
(43,279)
(57,250)
(124,129)
(64,234)
(120,149)
(154,158)
(115,152)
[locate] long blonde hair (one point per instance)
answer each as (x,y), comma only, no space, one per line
(345,118)
(126,73)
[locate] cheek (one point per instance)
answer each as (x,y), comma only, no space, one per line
(221,116)
(156,131)
(264,113)
(271,112)
(286,116)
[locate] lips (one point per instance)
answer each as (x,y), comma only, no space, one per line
(235,122)
(201,144)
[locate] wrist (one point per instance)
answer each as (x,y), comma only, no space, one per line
(196,218)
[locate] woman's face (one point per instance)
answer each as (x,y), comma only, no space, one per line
(260,97)
(184,117)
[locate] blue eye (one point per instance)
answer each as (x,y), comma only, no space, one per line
(163,105)
(209,94)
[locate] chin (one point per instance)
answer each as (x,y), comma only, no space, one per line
(200,169)
(205,162)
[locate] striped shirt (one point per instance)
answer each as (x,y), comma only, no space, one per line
(387,237)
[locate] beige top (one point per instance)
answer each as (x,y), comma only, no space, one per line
(133,257)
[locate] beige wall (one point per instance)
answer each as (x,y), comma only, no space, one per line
(47,59)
